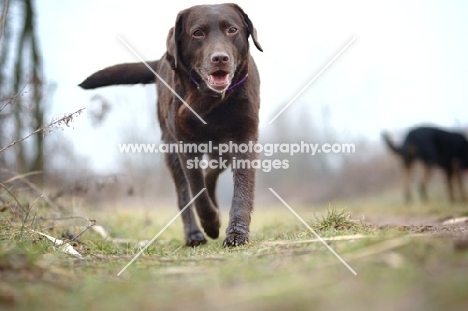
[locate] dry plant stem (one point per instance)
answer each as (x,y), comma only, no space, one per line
(68,218)
(25,211)
(19,176)
(10,99)
(22,177)
(14,198)
(35,201)
(41,192)
(66,119)
(91,222)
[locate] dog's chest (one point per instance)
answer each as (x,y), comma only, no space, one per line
(223,124)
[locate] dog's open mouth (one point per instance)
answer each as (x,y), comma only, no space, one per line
(219,80)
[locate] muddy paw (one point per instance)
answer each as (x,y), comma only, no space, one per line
(211,228)
(195,239)
(235,239)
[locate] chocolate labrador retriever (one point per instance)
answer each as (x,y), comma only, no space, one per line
(208,91)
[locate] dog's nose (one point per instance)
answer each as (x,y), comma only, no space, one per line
(219,58)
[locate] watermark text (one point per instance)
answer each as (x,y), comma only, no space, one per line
(267,149)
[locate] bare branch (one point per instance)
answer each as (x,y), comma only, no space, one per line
(65,120)
(10,99)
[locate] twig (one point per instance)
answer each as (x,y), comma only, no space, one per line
(10,99)
(335,238)
(20,176)
(68,218)
(41,192)
(157,259)
(62,245)
(90,224)
(66,119)
(13,196)
(33,186)
(35,201)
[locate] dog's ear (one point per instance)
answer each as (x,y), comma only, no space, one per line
(172,42)
(171,46)
(252,30)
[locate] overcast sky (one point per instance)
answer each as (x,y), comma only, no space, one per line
(408,64)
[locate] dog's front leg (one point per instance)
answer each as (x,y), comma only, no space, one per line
(237,231)
(208,213)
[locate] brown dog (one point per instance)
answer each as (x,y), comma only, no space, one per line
(209,66)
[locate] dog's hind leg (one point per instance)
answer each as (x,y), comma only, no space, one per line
(450,177)
(193,234)
(423,186)
(458,171)
(408,166)
(461,187)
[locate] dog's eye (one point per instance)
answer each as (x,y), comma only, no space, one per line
(197,33)
(232,30)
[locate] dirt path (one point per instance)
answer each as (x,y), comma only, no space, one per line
(451,227)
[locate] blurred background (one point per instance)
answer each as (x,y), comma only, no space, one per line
(407,67)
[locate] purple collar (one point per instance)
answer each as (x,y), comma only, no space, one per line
(229,88)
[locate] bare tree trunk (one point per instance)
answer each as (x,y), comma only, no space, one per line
(27,70)
(37,97)
(4,53)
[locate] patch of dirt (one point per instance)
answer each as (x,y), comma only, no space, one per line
(448,227)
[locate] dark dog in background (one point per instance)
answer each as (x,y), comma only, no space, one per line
(209,66)
(434,148)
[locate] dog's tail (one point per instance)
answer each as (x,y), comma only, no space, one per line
(390,143)
(129,73)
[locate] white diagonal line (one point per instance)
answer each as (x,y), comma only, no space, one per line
(313,79)
(160,232)
(162,80)
(313,231)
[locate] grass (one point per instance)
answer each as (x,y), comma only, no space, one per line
(283,268)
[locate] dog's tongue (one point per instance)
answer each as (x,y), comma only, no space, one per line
(219,80)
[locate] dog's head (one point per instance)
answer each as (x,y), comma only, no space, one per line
(212,41)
